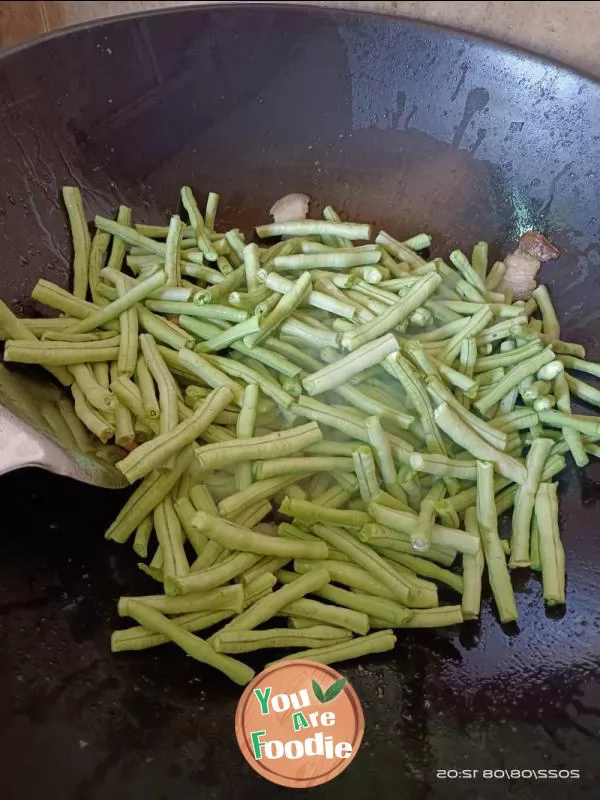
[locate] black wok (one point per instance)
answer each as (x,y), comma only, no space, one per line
(413,127)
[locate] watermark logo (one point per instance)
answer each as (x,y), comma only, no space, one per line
(299,723)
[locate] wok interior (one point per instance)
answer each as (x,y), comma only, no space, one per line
(401,125)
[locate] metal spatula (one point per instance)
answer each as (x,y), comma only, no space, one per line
(39,428)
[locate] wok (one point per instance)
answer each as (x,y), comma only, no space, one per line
(410,126)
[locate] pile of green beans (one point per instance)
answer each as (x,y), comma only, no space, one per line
(390,405)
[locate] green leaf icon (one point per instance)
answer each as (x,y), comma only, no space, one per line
(334,690)
(318,692)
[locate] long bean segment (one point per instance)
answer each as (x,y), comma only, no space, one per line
(492,550)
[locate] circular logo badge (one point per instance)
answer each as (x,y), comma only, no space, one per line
(299,723)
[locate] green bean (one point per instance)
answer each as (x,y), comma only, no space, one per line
(131,236)
(98,249)
(391,546)
(402,370)
(143,532)
(210,213)
(578,364)
(247,641)
(519,419)
(245,426)
(117,307)
(366,401)
(266,565)
(326,614)
(502,330)
(479,259)
(494,555)
(332,304)
(470,329)
(421,566)
(442,466)
(273,445)
(51,295)
(167,388)
(128,343)
(558,419)
(382,451)
(212,577)
(227,597)
(186,512)
(364,556)
(371,605)
(172,252)
(200,367)
(470,439)
(170,539)
(571,435)
(550,324)
(353,576)
(421,535)
(81,239)
(163,331)
(309,512)
(583,390)
(403,522)
(123,423)
(152,454)
(465,290)
(398,250)
(239,538)
(393,316)
(251,516)
(198,225)
(334,259)
(270,388)
(145,384)
(455,378)
(60,354)
(90,417)
(211,311)
(536,564)
(472,570)
(435,617)
(551,551)
(524,503)
(193,645)
(314,227)
(365,356)
(379,642)
(317,411)
(95,394)
(549,371)
(286,466)
(495,275)
(64,336)
(299,332)
(129,395)
(462,264)
(117,251)
(286,305)
(153,489)
(366,472)
(261,490)
(140,638)
(269,607)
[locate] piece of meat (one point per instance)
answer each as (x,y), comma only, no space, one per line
(535,244)
(290,208)
(522,266)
